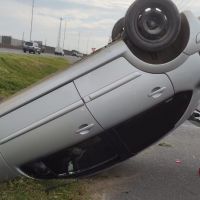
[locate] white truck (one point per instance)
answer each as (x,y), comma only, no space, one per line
(109,106)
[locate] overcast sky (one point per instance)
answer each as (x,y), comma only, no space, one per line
(91,19)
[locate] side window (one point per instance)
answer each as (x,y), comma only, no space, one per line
(82,159)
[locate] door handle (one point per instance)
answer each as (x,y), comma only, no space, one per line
(157,92)
(84,129)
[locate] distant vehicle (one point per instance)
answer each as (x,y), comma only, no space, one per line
(77,54)
(80,55)
(43,49)
(59,51)
(31,47)
(110,106)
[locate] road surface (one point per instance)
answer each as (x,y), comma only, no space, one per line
(166,172)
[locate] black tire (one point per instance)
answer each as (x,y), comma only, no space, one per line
(152,25)
(118,28)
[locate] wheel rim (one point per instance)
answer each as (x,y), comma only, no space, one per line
(152,24)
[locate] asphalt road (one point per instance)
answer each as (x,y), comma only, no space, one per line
(71,59)
(166,172)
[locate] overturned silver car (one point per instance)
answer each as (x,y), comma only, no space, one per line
(111,105)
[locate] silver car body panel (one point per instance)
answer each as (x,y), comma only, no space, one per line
(184,80)
(95,94)
(113,96)
(51,137)
(6,172)
(29,114)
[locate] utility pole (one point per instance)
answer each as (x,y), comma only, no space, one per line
(59,33)
(87,45)
(33,4)
(79,41)
(22,38)
(64,34)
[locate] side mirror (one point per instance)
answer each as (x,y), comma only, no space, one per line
(195,118)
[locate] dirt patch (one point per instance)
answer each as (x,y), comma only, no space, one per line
(100,185)
(164,144)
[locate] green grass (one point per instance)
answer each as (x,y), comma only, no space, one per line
(26,189)
(16,73)
(19,71)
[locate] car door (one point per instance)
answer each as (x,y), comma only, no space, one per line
(118,91)
(45,126)
(55,136)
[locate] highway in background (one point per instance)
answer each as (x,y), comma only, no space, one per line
(71,59)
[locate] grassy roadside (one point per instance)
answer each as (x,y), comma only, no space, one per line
(18,72)
(25,189)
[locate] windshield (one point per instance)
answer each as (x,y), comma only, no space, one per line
(29,43)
